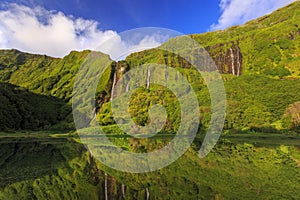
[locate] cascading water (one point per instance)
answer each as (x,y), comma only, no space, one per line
(232,61)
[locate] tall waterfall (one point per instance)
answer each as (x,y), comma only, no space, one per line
(123,191)
(127,87)
(232,61)
(147,194)
(113,86)
(148,77)
(105,186)
(238,61)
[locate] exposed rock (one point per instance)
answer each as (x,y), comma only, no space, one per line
(293,112)
(228,58)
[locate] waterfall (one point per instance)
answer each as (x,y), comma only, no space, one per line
(126,82)
(147,194)
(127,87)
(148,77)
(123,191)
(238,61)
(105,186)
(113,86)
(232,61)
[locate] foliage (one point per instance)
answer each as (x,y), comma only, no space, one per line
(23,110)
(233,170)
(47,168)
(269,81)
(52,168)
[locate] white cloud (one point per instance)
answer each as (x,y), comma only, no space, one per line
(37,30)
(118,49)
(235,12)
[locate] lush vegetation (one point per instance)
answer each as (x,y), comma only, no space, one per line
(47,168)
(40,166)
(231,171)
(41,74)
(269,45)
(258,155)
(258,98)
(24,110)
(260,102)
(267,49)
(43,86)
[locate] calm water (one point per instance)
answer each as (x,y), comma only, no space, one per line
(60,168)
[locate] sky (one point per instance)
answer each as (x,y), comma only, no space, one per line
(55,27)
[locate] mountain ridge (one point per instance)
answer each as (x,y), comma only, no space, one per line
(266,48)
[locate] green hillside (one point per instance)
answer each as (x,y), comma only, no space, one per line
(259,62)
(47,85)
(24,110)
(269,45)
(41,74)
(256,157)
(260,65)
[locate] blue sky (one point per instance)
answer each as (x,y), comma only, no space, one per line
(186,16)
(54,27)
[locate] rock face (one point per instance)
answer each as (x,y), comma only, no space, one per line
(292,113)
(227,57)
(118,69)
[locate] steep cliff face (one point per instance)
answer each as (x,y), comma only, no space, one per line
(227,57)
(269,45)
(118,70)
